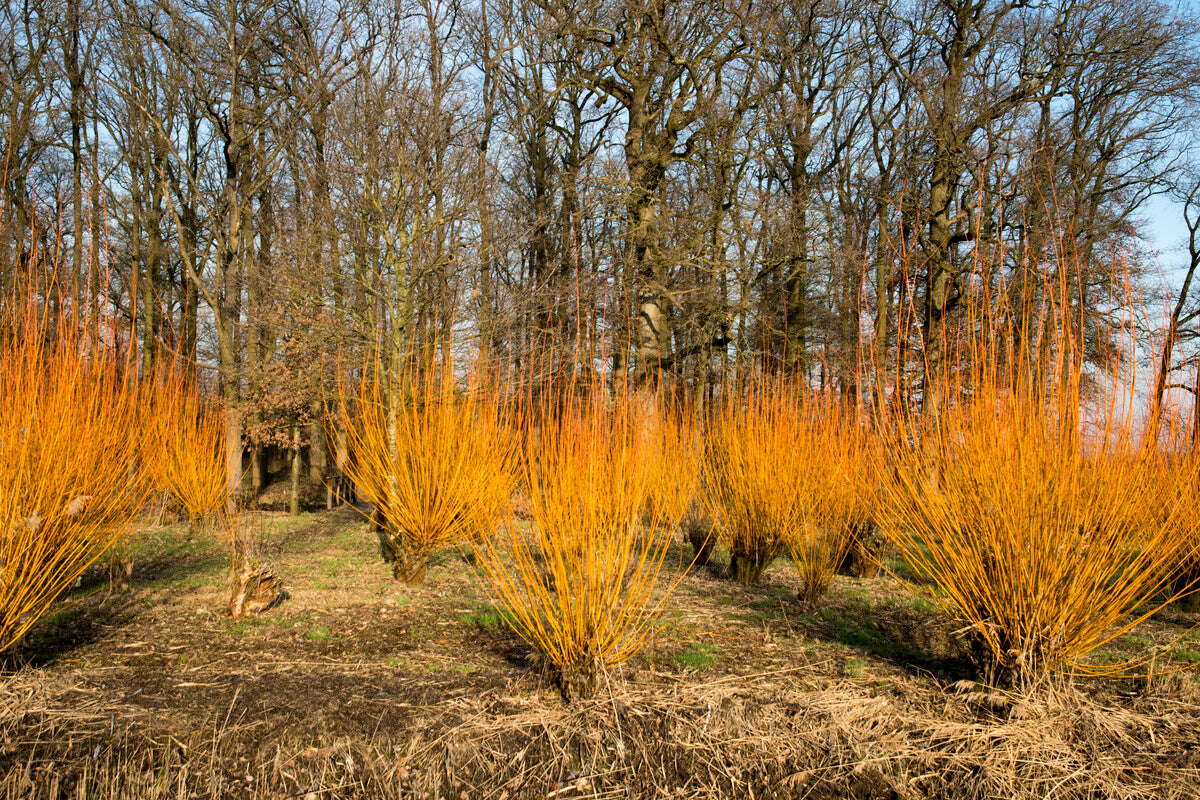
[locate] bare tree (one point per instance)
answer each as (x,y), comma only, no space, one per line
(1181,323)
(664,64)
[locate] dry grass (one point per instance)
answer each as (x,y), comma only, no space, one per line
(769,734)
(779,734)
(404,697)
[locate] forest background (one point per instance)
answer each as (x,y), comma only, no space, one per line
(280,194)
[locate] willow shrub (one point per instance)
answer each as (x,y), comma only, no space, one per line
(842,499)
(1177,495)
(71,480)
(783,466)
(1029,513)
(584,582)
(675,493)
(185,445)
(436,462)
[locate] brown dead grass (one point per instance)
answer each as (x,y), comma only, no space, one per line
(359,686)
(774,734)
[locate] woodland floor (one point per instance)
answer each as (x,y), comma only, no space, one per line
(359,686)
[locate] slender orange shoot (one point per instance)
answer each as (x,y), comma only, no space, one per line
(71,482)
(838,496)
(1176,496)
(854,499)
(581,584)
(752,463)
(676,452)
(436,463)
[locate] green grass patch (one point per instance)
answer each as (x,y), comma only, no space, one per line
(252,625)
(60,620)
(318,633)
(335,567)
(243,627)
(190,582)
(1133,641)
(351,535)
(923,605)
(857,606)
(1187,654)
(487,618)
(700,655)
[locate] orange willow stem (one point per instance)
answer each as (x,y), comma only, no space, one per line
(675,445)
(184,445)
(1028,514)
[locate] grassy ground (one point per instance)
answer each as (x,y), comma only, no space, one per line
(358,686)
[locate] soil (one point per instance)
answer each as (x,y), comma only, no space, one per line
(360,686)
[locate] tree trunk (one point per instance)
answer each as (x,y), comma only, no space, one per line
(1164,365)
(318,446)
(75,79)
(939,281)
(651,324)
(297,465)
(233,445)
